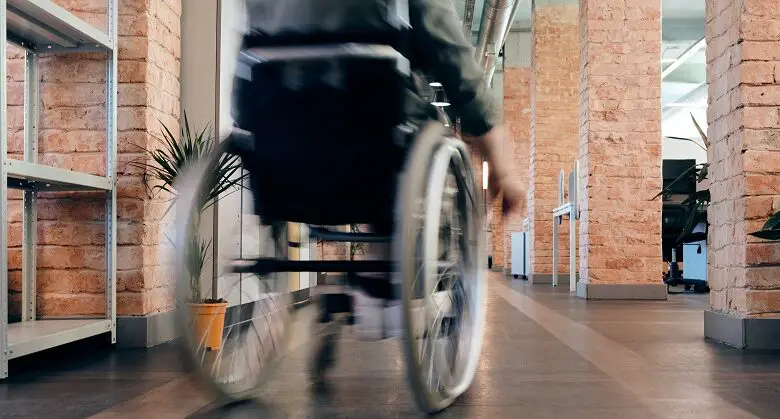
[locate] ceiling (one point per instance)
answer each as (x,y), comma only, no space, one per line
(683,89)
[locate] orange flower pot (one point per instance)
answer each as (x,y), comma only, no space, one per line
(209,323)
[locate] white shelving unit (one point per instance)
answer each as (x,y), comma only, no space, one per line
(40,26)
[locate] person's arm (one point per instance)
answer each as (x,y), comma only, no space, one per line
(446,54)
(443,51)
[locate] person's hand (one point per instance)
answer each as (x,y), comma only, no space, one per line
(513,198)
(490,145)
(513,194)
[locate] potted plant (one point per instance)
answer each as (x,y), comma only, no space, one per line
(162,166)
(356,248)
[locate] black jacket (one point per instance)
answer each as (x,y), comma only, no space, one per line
(437,44)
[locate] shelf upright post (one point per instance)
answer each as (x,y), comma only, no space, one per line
(30,220)
(3,195)
(111,160)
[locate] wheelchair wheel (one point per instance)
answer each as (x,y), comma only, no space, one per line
(439,249)
(234,354)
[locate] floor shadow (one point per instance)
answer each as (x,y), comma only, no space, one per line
(236,410)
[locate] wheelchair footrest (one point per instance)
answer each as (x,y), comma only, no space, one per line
(328,235)
(265,266)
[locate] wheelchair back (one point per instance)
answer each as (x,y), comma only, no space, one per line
(320,85)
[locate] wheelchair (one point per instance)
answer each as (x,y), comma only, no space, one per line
(322,138)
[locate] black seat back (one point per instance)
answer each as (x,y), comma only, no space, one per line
(321,87)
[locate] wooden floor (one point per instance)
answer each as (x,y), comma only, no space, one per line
(546,355)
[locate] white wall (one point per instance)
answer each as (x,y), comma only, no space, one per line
(199,83)
(239,230)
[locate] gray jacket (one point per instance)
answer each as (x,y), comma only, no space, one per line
(439,48)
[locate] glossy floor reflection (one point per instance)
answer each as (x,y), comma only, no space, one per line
(546,355)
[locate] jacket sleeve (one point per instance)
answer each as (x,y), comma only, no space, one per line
(442,51)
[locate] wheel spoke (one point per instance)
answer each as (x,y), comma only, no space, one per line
(259,313)
(442,276)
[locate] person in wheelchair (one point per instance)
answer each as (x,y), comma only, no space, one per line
(332,129)
(435,45)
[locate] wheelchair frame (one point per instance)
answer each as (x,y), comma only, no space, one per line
(425,155)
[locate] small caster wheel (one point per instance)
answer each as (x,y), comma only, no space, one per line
(515,276)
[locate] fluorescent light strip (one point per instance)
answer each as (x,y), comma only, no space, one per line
(685,56)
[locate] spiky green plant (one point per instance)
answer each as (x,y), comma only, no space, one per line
(163,165)
(699,200)
(356,248)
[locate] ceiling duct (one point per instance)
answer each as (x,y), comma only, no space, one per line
(497,17)
(468,18)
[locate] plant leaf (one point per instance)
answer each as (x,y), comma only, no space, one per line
(685,176)
(773,235)
(701,132)
(773,223)
(703,172)
(687,139)
(694,218)
(700,198)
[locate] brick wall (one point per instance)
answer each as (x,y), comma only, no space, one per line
(149,89)
(554,124)
(743,58)
(476,163)
(71,256)
(496,229)
(620,143)
(517,117)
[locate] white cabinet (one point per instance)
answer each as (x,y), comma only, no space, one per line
(695,260)
(520,257)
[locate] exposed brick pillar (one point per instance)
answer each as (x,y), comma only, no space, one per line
(496,232)
(70,255)
(743,59)
(517,117)
(495,212)
(554,125)
(149,92)
(620,150)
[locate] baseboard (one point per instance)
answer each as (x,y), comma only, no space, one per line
(742,333)
(158,328)
(497,268)
(621,291)
(301,296)
(146,331)
(548,278)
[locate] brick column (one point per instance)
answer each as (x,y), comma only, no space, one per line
(743,59)
(517,117)
(495,207)
(554,125)
(149,92)
(70,254)
(620,150)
